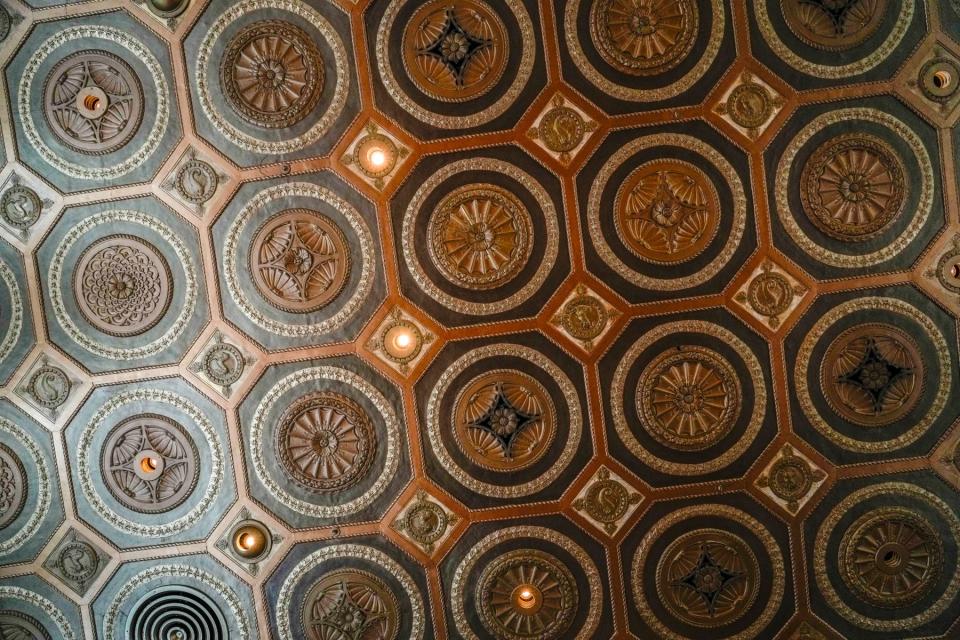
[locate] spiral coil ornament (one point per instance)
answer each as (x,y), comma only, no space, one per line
(177,613)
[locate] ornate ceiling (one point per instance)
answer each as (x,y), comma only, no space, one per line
(410,319)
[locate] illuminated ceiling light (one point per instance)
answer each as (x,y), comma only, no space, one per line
(527,598)
(149,464)
(401,340)
(378,158)
(250,539)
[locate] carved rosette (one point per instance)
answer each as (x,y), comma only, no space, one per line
(714,568)
(326,442)
(882,557)
(853,187)
(150,464)
(791,478)
(351,604)
(93,102)
(122,285)
(13,486)
(480,236)
(15,625)
(300,260)
(425,521)
(272,74)
(647,38)
(834,25)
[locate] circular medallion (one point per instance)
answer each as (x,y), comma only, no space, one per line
(272,74)
(948,270)
(644,38)
(168,8)
(223,363)
(402,340)
(353,604)
(250,540)
(196,181)
(584,317)
(176,612)
(607,500)
(425,522)
(15,625)
(20,206)
(122,285)
(527,593)
(689,398)
(561,129)
(853,187)
(78,561)
(150,464)
(770,294)
(326,442)
(13,486)
(504,420)
(873,374)
(834,25)
(667,211)
(939,79)
(376,155)
(890,557)
(749,105)
(93,102)
(455,50)
(300,260)
(49,387)
(708,577)
(480,236)
(790,478)
(5,23)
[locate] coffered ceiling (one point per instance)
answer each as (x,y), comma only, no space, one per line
(410,319)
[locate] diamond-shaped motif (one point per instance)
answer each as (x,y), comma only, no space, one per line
(931,80)
(425,522)
(806,632)
(585,317)
(607,500)
(248,542)
(791,479)
(562,129)
(194,181)
(400,340)
(47,386)
(375,155)
(76,561)
(749,105)
(221,364)
(770,294)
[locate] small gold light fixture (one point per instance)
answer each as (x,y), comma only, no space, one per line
(942,79)
(149,464)
(376,155)
(250,539)
(401,340)
(527,598)
(955,270)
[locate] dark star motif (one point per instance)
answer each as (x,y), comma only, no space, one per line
(504,421)
(836,10)
(454,46)
(708,579)
(875,375)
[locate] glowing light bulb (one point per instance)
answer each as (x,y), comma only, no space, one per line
(403,340)
(149,465)
(526,595)
(955,271)
(247,541)
(378,158)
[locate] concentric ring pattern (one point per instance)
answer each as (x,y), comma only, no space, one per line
(479,319)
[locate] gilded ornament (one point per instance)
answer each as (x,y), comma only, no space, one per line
(20,206)
(562,129)
(480,236)
(708,577)
(947,271)
(455,50)
(834,25)
(16,625)
(49,386)
(123,285)
(350,604)
(606,500)
(939,78)
(791,478)
(150,464)
(13,486)
(400,340)
(584,316)
(667,211)
(644,38)
(873,374)
(689,398)
(750,105)
(272,74)
(93,102)
(375,155)
(770,294)
(890,557)
(425,522)
(325,442)
(504,420)
(527,593)
(300,260)
(853,187)
(196,181)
